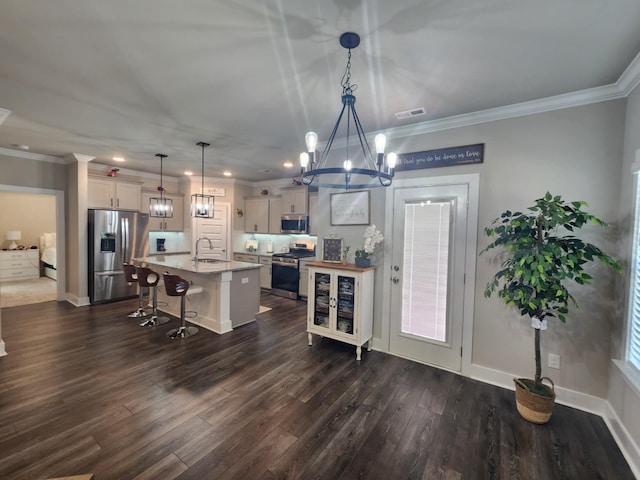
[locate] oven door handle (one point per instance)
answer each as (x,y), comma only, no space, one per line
(283,264)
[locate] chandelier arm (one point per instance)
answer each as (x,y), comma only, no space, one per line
(327,148)
(363,140)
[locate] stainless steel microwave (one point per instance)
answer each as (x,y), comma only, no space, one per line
(294,224)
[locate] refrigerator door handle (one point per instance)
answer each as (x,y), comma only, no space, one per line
(124,239)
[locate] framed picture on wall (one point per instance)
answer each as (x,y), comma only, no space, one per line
(350,208)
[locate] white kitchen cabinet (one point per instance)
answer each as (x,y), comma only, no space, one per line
(106,193)
(256,215)
(275,214)
(19,264)
(340,303)
(246,257)
(303,284)
(265,271)
(295,200)
(169,224)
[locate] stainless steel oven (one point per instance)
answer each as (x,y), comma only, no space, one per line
(285,270)
(285,276)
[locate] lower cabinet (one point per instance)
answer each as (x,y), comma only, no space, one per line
(245,257)
(265,272)
(340,303)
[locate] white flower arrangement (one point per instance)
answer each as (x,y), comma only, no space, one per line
(372,237)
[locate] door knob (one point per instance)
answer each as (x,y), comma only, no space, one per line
(396,268)
(395,280)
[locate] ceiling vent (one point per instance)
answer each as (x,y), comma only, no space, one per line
(415,112)
(4,114)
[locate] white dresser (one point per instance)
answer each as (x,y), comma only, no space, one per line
(19,264)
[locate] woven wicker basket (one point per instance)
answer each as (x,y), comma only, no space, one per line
(531,406)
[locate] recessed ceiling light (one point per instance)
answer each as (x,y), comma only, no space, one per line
(226,173)
(118,159)
(288,164)
(188,172)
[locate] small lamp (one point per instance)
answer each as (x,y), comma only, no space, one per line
(13,236)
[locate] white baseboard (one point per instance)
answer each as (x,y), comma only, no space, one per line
(77,301)
(625,442)
(564,396)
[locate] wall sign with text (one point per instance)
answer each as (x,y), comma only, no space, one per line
(443,157)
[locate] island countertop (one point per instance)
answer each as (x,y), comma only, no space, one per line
(186,263)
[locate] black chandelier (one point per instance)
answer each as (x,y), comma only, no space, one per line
(378,173)
(161,206)
(201,204)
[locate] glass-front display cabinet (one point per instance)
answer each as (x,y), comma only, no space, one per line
(340,303)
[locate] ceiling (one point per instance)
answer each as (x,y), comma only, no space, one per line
(250,77)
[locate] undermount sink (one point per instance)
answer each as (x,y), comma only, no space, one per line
(210,260)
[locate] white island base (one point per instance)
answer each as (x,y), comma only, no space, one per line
(230,294)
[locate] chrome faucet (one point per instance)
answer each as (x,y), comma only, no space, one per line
(195,259)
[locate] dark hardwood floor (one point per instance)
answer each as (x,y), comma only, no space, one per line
(87,390)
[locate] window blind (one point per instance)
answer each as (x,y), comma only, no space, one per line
(633,348)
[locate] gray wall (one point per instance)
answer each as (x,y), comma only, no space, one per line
(576,153)
(623,398)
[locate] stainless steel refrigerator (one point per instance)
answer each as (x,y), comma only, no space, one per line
(115,237)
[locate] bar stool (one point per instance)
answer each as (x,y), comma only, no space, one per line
(175,286)
(131,276)
(149,279)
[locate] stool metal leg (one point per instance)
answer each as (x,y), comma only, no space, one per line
(183,331)
(141,312)
(154,319)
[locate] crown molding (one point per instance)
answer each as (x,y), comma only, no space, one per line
(557,102)
(630,77)
(32,156)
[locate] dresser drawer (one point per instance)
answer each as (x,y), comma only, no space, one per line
(19,273)
(31,254)
(19,264)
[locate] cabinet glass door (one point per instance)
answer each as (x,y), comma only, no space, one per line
(322,286)
(344,314)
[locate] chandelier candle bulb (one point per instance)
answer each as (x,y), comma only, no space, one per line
(304,161)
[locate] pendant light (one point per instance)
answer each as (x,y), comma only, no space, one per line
(201,204)
(376,172)
(160,206)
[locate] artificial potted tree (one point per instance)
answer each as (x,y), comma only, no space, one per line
(541,253)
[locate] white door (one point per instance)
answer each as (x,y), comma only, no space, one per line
(428,273)
(215,229)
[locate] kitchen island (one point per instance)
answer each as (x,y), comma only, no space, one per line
(230,296)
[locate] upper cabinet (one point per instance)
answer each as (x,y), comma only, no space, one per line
(275,213)
(256,215)
(169,224)
(262,214)
(106,193)
(295,200)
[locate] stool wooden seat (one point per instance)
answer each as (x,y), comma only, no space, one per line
(131,276)
(149,279)
(176,286)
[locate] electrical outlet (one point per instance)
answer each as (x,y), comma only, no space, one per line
(554,361)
